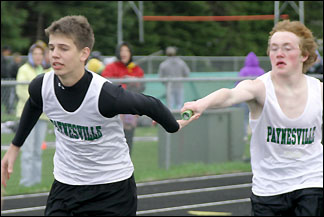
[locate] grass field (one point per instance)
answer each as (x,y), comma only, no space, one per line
(144,157)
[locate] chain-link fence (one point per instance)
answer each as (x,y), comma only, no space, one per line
(150,64)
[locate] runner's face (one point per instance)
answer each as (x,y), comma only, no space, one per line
(285,54)
(64,56)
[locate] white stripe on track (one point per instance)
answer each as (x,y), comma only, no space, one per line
(145,211)
(23,196)
(192,206)
(23,210)
(194,179)
(172,193)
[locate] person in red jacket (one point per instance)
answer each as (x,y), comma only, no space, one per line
(124,67)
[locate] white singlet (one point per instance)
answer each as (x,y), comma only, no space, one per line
(287,154)
(90,148)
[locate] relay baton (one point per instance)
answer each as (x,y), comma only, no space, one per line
(186,115)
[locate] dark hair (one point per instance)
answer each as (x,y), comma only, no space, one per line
(118,47)
(76,27)
(6,47)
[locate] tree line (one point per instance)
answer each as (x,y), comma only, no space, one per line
(23,22)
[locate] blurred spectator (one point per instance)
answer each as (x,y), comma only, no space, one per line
(174,67)
(31,152)
(17,62)
(251,68)
(125,68)
(95,63)
(12,98)
(5,75)
(5,62)
(8,72)
(46,61)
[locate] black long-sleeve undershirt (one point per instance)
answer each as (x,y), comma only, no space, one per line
(113,100)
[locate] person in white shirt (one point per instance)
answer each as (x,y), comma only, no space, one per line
(93,171)
(286,111)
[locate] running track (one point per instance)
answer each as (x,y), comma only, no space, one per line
(223,195)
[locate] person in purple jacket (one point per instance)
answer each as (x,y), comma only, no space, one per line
(251,68)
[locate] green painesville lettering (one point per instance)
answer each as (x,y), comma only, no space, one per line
(269,133)
(74,131)
(283,136)
(80,131)
(278,134)
(293,141)
(291,136)
(288,136)
(299,131)
(273,137)
(303,140)
(98,128)
(74,128)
